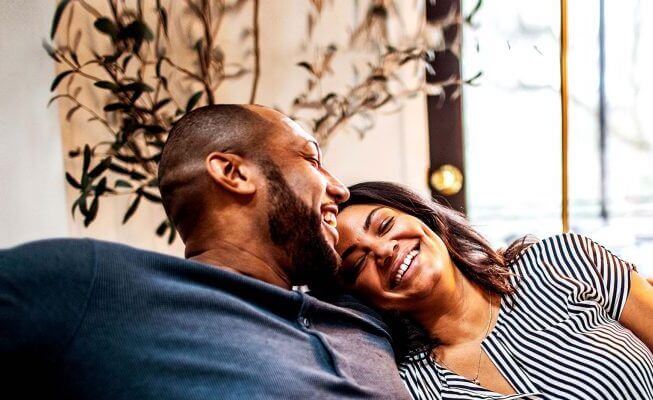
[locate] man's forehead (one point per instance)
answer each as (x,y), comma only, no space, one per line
(299,131)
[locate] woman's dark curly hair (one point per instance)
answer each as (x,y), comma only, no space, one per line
(470,252)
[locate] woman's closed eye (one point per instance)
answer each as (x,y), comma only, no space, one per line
(357,267)
(386,225)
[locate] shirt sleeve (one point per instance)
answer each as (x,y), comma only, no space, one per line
(593,264)
(44,287)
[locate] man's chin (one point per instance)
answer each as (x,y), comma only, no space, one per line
(329,234)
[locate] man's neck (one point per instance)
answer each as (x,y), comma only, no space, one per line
(239,259)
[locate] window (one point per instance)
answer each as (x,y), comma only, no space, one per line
(512,122)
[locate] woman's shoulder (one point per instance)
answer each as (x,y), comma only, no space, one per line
(565,245)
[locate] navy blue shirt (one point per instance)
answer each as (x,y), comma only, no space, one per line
(96,320)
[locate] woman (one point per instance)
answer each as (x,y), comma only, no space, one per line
(562,318)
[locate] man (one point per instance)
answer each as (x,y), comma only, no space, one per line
(247,191)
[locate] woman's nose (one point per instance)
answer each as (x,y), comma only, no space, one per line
(385,251)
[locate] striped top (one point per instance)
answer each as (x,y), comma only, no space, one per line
(557,335)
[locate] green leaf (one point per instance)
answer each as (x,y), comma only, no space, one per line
(154,129)
(72,181)
(472,81)
(74,153)
(160,104)
(74,207)
(111,58)
(57,80)
(136,86)
(106,26)
(101,187)
(307,66)
(92,212)
(122,183)
(107,85)
(470,16)
(125,158)
(151,197)
(72,111)
(163,227)
(115,107)
(83,208)
(119,169)
(193,100)
(57,17)
(147,32)
(100,168)
(55,98)
(51,51)
(172,235)
(126,61)
(157,69)
(135,96)
(163,15)
(136,175)
(73,56)
(132,208)
(87,159)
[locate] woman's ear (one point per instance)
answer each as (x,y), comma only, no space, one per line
(232,172)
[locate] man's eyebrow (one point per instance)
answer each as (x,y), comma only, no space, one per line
(317,148)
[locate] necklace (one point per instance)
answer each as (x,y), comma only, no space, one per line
(476,381)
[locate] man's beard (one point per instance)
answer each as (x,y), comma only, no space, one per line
(295,228)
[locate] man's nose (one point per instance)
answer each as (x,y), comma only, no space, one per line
(384,252)
(336,189)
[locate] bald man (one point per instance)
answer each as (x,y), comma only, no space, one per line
(255,207)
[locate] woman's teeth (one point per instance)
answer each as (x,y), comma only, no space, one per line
(405,265)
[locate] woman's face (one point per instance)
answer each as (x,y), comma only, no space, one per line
(389,258)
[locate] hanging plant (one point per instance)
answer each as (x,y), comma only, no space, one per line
(139,106)
(132,76)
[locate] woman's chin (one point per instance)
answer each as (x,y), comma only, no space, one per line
(421,286)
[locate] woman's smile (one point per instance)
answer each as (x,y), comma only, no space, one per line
(403,269)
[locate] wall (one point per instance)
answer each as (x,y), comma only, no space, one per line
(396,149)
(32,190)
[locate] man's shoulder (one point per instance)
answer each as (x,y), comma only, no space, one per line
(349,303)
(46,245)
(47,253)
(50,258)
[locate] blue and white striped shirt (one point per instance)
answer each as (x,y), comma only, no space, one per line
(557,336)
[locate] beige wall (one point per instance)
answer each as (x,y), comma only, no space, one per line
(32,190)
(396,149)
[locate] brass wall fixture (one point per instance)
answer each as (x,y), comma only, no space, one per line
(564,114)
(447,180)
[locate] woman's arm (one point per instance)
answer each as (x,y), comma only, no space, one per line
(637,314)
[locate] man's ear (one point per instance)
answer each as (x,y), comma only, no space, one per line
(232,172)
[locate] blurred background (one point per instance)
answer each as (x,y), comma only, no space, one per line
(459,99)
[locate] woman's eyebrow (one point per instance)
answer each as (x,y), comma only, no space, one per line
(368,220)
(366,227)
